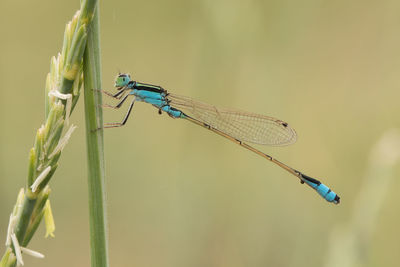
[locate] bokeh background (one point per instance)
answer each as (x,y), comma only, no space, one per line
(181,196)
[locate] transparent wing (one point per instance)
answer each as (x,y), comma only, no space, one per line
(244,126)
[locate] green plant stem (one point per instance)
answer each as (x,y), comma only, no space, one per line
(95,155)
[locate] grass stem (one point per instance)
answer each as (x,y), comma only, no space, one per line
(95,151)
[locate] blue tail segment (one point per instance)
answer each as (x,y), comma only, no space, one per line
(322,189)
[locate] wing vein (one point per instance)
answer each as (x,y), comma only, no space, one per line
(241,125)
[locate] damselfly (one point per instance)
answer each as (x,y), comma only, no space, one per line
(238,126)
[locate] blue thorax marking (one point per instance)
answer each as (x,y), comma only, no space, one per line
(144,94)
(157,99)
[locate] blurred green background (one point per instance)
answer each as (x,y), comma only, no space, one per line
(181,196)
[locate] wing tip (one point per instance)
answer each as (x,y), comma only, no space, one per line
(293,134)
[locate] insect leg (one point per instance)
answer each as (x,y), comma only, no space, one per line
(119,103)
(119,124)
(117,95)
